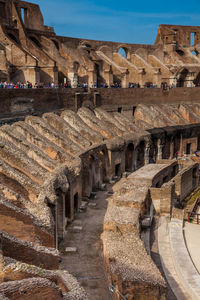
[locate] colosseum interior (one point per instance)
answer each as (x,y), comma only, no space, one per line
(99,188)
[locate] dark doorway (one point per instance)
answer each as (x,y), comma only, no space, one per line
(188,148)
(129,158)
(75,203)
(174,171)
(134,108)
(117,170)
(98,75)
(67,206)
(182,78)
(119,110)
(165,179)
(2,10)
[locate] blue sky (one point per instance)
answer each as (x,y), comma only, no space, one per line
(115,20)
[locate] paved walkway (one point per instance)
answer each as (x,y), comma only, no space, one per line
(183,264)
(192,238)
(87,263)
(166,257)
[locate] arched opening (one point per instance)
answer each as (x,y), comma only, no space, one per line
(182,78)
(129,158)
(56,44)
(86,47)
(13,37)
(76,204)
(133,111)
(15,23)
(35,41)
(123,52)
(180,52)
(195,53)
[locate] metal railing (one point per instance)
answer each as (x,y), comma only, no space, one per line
(192,216)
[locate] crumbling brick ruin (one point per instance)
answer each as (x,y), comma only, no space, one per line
(59,146)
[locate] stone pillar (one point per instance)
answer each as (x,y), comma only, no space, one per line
(157,77)
(190,78)
(37,76)
(73,78)
(134,166)
(171,148)
(108,77)
(55,75)
(92,77)
(160,147)
(77,101)
(141,76)
(146,154)
(125,80)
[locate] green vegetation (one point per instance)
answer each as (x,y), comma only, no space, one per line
(191,200)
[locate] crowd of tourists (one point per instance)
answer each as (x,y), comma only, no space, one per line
(28,85)
(85,86)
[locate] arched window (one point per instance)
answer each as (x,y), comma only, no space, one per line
(180,52)
(123,52)
(195,53)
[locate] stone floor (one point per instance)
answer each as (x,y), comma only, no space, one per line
(86,264)
(192,238)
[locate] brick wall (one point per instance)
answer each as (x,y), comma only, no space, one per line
(22,226)
(110,99)
(26,252)
(29,289)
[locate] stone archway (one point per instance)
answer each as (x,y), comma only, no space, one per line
(182,78)
(123,51)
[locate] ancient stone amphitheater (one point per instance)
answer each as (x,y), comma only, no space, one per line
(62,146)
